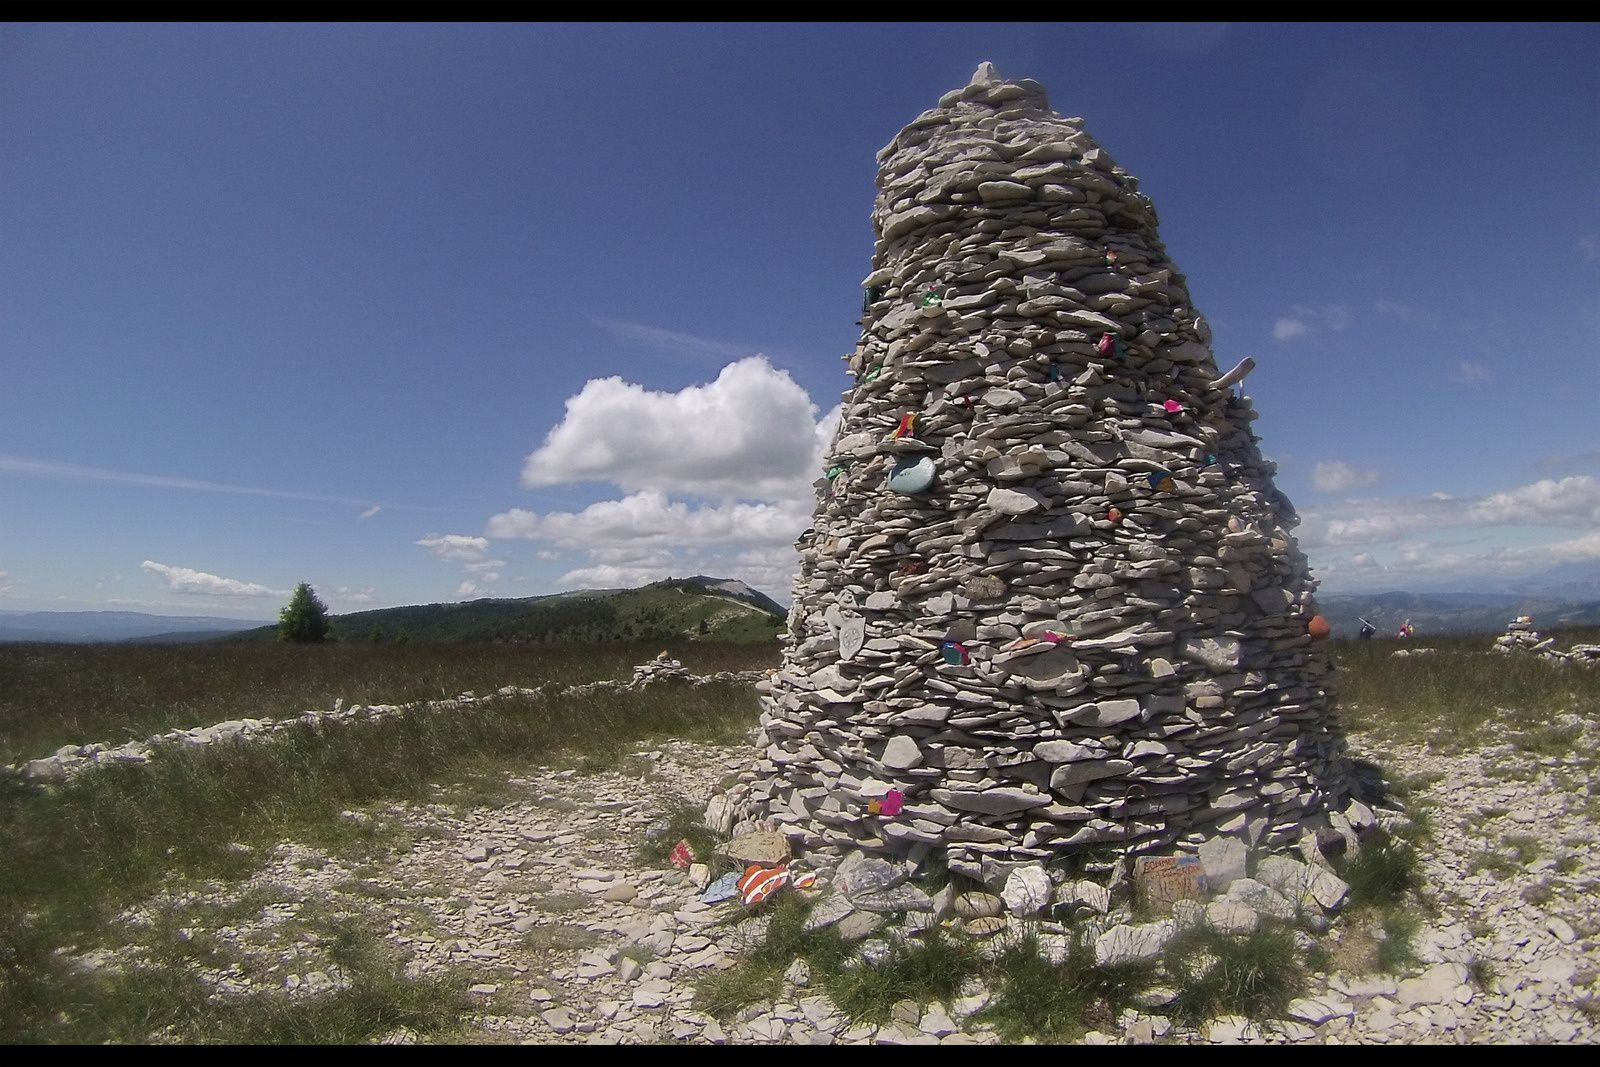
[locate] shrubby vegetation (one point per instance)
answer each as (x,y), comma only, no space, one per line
(304,620)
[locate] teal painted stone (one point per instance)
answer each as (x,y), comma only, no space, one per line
(912,475)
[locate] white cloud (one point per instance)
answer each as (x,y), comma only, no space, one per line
(770,570)
(456,546)
(5,585)
(345,594)
(1468,373)
(470,590)
(1578,549)
(1286,329)
(1571,501)
(186,580)
(715,479)
(1337,476)
(1371,529)
(650,518)
(488,570)
(373,510)
(611,576)
(750,434)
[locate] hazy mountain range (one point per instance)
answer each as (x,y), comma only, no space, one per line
(732,610)
(76,627)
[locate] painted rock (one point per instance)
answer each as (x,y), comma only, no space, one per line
(912,475)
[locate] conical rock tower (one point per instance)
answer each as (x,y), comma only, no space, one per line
(1050,599)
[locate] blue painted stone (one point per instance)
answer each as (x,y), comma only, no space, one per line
(912,475)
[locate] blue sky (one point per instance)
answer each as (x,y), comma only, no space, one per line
(421,313)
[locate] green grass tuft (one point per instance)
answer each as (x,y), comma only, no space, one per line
(1397,951)
(928,968)
(1059,1003)
(1383,874)
(1255,975)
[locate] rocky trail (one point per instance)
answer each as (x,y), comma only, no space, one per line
(567,936)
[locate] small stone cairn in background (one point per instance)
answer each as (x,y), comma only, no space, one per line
(1521,638)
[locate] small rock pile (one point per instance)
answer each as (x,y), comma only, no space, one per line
(1050,593)
(1521,638)
(660,669)
(69,761)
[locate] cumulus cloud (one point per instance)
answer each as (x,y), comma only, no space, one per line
(470,590)
(715,478)
(456,546)
(650,518)
(1571,501)
(1286,329)
(346,595)
(753,433)
(612,576)
(1337,476)
(187,580)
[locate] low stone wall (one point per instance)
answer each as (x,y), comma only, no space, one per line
(68,761)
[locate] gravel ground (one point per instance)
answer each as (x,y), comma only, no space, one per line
(568,937)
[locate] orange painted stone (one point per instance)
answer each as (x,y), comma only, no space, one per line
(1318,628)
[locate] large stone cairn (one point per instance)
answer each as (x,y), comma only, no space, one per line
(1091,628)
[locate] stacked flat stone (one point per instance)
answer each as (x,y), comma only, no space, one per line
(1521,637)
(1092,626)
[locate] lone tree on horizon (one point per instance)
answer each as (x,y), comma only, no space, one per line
(304,620)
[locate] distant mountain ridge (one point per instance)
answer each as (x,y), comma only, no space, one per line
(701,607)
(731,611)
(80,627)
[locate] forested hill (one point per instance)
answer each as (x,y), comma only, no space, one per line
(711,609)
